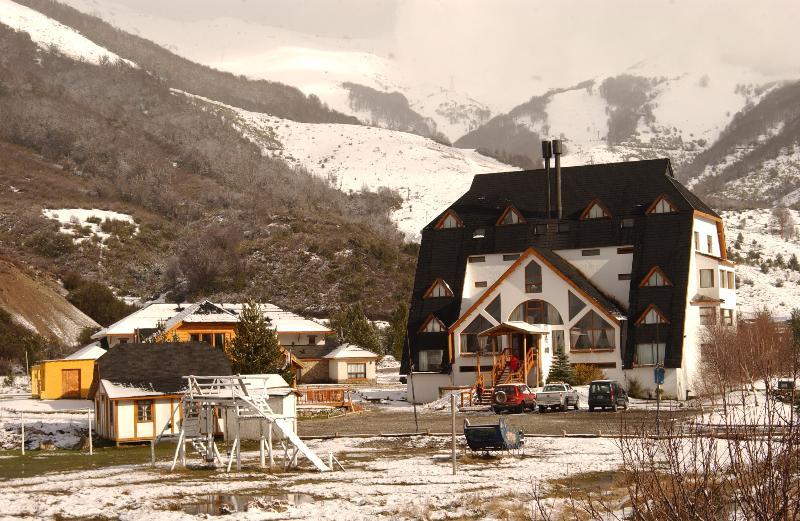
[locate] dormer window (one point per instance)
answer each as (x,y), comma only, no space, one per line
(433,325)
(595,210)
(449,220)
(438,289)
(662,205)
(652,315)
(479,233)
(510,216)
(655,278)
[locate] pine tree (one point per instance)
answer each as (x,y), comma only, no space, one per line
(352,326)
(396,332)
(255,348)
(793,263)
(561,370)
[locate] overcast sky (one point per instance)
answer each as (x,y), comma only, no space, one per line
(483,45)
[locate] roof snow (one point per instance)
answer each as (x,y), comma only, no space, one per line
(48,33)
(91,351)
(350,351)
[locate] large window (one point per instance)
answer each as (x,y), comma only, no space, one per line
(706,278)
(470,341)
(430,360)
(726,279)
(726,316)
(533,278)
(536,312)
(650,353)
(144,411)
(356,371)
(592,332)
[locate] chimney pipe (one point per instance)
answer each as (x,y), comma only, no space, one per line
(557,151)
(547,153)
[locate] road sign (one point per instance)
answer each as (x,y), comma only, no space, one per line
(658,374)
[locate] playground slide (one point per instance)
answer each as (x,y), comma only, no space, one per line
(286,428)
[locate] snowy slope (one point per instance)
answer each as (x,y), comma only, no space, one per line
(777,290)
(428,175)
(47,33)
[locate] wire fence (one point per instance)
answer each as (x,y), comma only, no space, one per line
(80,418)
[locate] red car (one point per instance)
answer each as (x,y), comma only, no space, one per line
(513,397)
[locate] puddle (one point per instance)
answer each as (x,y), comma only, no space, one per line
(221,504)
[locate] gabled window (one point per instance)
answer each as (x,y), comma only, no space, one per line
(438,289)
(652,315)
(655,278)
(595,210)
(493,309)
(510,216)
(432,325)
(470,341)
(592,332)
(449,220)
(576,305)
(662,205)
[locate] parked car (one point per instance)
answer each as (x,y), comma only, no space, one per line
(557,396)
(607,393)
(513,397)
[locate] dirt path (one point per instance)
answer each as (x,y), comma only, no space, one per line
(382,420)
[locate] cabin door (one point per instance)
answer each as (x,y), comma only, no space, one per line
(70,383)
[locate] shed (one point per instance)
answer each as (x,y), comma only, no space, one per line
(350,363)
(57,379)
(137,387)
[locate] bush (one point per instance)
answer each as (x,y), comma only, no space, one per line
(586,373)
(49,243)
(99,302)
(120,228)
(635,389)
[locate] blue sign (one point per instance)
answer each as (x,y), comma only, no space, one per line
(658,373)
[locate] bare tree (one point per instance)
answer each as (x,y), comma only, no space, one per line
(785,222)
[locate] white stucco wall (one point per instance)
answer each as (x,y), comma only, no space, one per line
(604,270)
(337,368)
(426,386)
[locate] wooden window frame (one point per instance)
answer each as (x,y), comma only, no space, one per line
(358,375)
(652,307)
(510,208)
(662,197)
(151,410)
(646,278)
(449,213)
(595,202)
(429,292)
(428,320)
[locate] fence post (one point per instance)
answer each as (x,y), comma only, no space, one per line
(453,440)
(91,447)
(22,422)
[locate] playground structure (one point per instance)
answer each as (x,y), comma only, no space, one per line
(238,406)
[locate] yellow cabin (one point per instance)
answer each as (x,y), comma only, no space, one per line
(56,379)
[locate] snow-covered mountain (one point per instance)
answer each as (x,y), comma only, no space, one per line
(428,175)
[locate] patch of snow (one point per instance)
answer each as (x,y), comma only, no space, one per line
(73,218)
(387,362)
(48,33)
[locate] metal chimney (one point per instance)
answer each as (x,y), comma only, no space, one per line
(557,151)
(547,153)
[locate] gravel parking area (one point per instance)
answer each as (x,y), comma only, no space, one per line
(376,420)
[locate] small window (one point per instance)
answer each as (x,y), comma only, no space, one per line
(652,315)
(590,253)
(219,340)
(194,337)
(540,229)
(312,340)
(731,283)
(723,279)
(430,360)
(511,257)
(709,243)
(533,278)
(662,205)
(726,317)
(650,353)
(696,240)
(563,227)
(476,259)
(627,223)
(624,276)
(449,220)
(706,278)
(433,325)
(480,284)
(208,338)
(123,340)
(356,371)
(439,289)
(625,249)
(479,233)
(708,316)
(655,278)
(595,210)
(144,411)
(510,216)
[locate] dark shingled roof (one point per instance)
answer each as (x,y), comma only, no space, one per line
(159,367)
(626,190)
